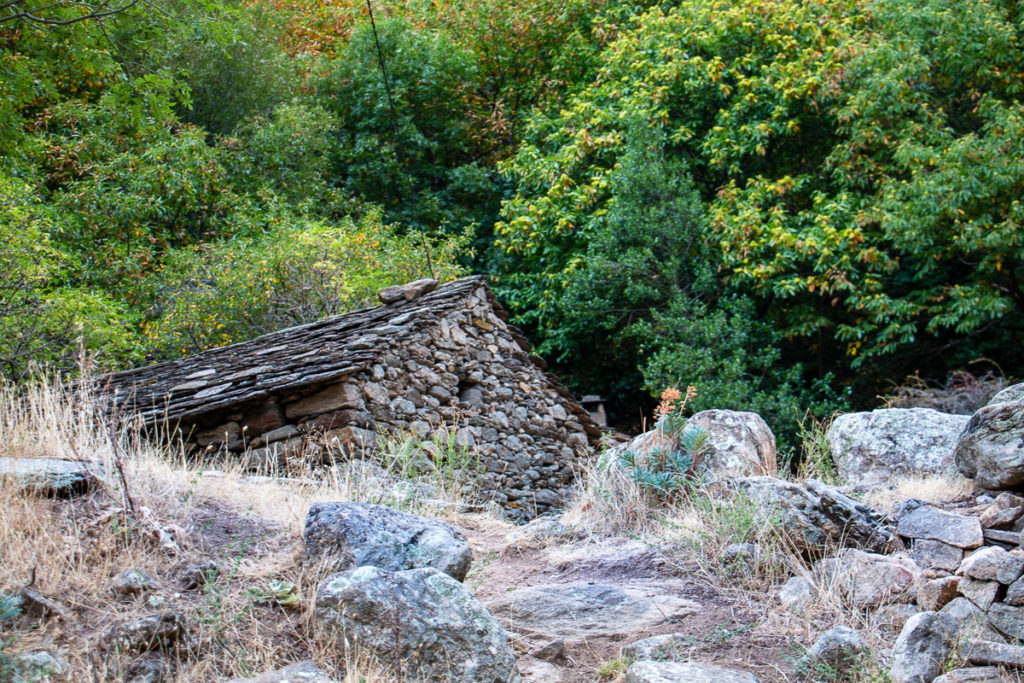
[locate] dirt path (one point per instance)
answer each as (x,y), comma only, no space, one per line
(728,631)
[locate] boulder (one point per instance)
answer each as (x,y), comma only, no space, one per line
(422,619)
(576,611)
(302,672)
(921,650)
(866,580)
(875,447)
(691,672)
(50,476)
(918,520)
(1014,392)
(739,444)
(991,448)
(839,647)
(981,593)
(814,515)
(346,535)
(668,646)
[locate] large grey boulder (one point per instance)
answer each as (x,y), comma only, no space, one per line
(347,535)
(576,611)
(866,580)
(991,448)
(420,619)
(690,672)
(921,650)
(739,444)
(813,515)
(149,633)
(50,476)
(1014,392)
(875,447)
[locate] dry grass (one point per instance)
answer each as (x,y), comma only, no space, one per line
(932,488)
(251,526)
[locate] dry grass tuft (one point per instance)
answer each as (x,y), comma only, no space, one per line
(250,525)
(932,488)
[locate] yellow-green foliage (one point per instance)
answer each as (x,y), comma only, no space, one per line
(230,291)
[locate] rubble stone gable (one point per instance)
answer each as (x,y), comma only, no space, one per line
(447,358)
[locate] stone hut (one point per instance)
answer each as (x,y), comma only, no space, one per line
(427,359)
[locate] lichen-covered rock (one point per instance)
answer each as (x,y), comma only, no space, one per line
(36,667)
(1007,619)
(739,444)
(866,580)
(974,674)
(422,619)
(198,575)
(839,647)
(875,447)
(50,476)
(346,535)
(921,650)
(148,633)
(691,672)
(302,672)
(581,610)
(814,515)
(991,448)
(1014,392)
(796,593)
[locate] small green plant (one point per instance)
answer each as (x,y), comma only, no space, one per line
(611,668)
(277,591)
(670,467)
(816,454)
(10,609)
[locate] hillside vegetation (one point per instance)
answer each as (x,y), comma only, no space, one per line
(788,203)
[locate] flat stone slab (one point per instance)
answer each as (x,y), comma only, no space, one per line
(50,476)
(582,610)
(690,672)
(927,521)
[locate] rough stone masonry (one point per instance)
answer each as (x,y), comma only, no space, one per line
(427,359)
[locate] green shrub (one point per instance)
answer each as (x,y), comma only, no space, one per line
(230,291)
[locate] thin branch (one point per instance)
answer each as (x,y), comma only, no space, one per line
(31,14)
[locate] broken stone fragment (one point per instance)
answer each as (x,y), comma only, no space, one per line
(199,575)
(987,652)
(972,674)
(1007,619)
(867,580)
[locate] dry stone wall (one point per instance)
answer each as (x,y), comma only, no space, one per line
(445,360)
